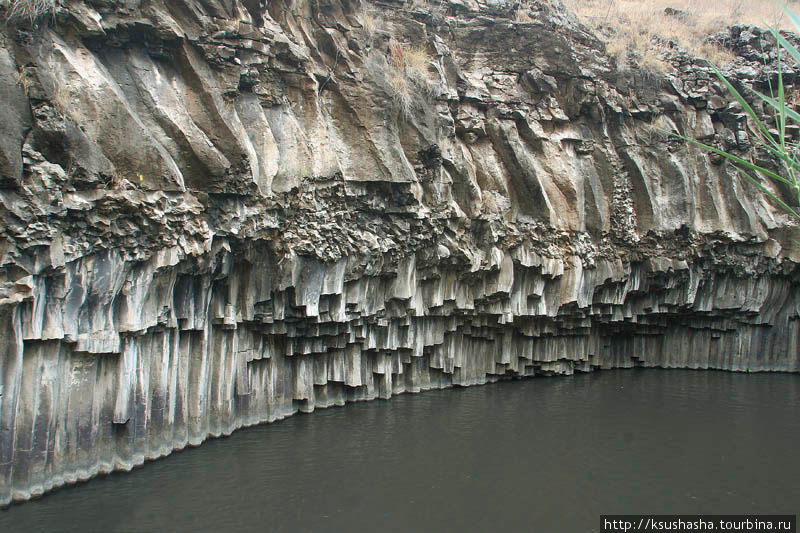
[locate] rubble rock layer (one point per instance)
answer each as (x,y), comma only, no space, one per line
(217,213)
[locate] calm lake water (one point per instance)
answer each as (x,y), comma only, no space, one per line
(544,454)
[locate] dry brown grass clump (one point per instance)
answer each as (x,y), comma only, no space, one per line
(638,29)
(28,9)
(370,23)
(522,14)
(25,78)
(409,67)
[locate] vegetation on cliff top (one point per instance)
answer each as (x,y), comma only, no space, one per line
(777,140)
(641,30)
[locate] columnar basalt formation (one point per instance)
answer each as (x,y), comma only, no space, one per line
(217,213)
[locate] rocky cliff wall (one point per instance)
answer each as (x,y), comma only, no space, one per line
(218,213)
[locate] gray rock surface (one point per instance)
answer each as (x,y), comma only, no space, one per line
(219,213)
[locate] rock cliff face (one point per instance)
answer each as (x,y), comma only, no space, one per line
(218,213)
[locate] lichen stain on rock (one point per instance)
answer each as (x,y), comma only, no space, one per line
(216,215)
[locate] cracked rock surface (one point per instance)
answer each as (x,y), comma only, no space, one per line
(217,213)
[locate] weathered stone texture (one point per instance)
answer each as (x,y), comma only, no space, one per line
(219,213)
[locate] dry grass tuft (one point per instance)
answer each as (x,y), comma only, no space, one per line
(25,77)
(397,53)
(401,90)
(28,9)
(639,29)
(652,61)
(522,14)
(370,23)
(408,69)
(715,54)
(416,60)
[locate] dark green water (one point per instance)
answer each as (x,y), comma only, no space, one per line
(545,455)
